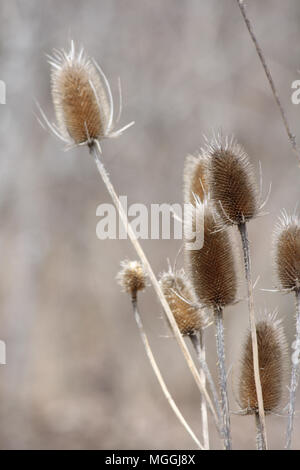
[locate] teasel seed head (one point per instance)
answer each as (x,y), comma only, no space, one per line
(212,268)
(273,364)
(132,277)
(182,301)
(195,178)
(231,180)
(82,99)
(286,248)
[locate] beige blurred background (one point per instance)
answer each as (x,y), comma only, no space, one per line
(76,374)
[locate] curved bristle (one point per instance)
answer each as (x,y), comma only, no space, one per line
(286,245)
(194,178)
(181,299)
(272,354)
(212,268)
(231,181)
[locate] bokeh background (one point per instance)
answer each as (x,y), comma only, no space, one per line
(76,374)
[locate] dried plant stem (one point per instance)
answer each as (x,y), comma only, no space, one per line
(218,317)
(158,373)
(294,378)
(259,436)
(198,343)
(291,136)
(105,177)
(247,263)
(203,364)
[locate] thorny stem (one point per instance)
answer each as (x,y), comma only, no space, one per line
(291,136)
(158,373)
(259,437)
(218,317)
(105,177)
(247,263)
(294,377)
(198,343)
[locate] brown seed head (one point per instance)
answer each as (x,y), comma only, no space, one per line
(272,354)
(182,301)
(212,268)
(79,96)
(132,277)
(231,181)
(194,178)
(286,246)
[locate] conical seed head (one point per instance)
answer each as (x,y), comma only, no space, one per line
(272,354)
(211,269)
(232,182)
(181,299)
(132,277)
(79,96)
(286,246)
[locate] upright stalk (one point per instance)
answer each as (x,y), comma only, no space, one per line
(198,343)
(94,149)
(247,263)
(294,376)
(158,373)
(259,436)
(218,317)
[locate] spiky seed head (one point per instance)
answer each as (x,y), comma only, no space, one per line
(182,301)
(286,247)
(195,178)
(212,269)
(272,355)
(132,277)
(231,181)
(82,99)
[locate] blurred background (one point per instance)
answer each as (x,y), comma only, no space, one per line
(77,376)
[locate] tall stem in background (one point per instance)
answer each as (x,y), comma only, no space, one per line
(247,263)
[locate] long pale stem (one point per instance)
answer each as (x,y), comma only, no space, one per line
(294,376)
(105,177)
(198,343)
(247,263)
(158,373)
(259,436)
(218,317)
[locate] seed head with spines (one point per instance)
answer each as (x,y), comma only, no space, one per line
(82,99)
(212,269)
(132,277)
(231,181)
(195,178)
(286,248)
(272,353)
(182,301)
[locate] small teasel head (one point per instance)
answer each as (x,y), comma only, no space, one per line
(179,294)
(132,277)
(273,365)
(82,99)
(286,252)
(231,180)
(195,178)
(212,268)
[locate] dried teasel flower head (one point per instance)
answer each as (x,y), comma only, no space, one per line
(182,301)
(132,277)
(212,267)
(286,248)
(82,99)
(195,178)
(272,355)
(231,180)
